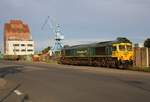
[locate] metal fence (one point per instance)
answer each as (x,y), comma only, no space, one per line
(142,57)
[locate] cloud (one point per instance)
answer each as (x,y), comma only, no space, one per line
(81,19)
(137,2)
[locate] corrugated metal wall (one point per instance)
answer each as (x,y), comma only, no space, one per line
(149,56)
(140,57)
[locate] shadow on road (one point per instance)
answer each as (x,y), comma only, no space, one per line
(10,70)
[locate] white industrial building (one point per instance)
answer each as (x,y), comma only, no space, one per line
(15,47)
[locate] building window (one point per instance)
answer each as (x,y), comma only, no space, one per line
(16,50)
(30,45)
(15,44)
(23,50)
(30,50)
(22,44)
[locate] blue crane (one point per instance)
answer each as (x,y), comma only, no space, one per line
(58,36)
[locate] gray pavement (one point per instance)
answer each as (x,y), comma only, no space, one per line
(3,83)
(64,83)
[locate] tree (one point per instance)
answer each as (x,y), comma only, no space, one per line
(46,49)
(147,43)
(123,39)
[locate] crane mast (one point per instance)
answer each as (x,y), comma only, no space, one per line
(58,36)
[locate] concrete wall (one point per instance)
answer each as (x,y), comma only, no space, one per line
(19,47)
(142,57)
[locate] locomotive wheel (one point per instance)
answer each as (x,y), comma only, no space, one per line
(108,64)
(121,67)
(103,64)
(113,64)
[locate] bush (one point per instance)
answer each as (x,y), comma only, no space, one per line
(147,43)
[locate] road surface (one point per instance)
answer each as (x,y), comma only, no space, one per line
(64,83)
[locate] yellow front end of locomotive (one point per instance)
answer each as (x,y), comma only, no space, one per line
(123,51)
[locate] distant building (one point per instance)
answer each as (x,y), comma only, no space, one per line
(17,38)
(138,45)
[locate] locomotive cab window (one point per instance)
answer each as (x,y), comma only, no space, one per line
(121,47)
(129,48)
(114,48)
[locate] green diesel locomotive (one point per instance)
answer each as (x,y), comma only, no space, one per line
(116,53)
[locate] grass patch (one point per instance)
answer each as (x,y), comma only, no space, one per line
(144,69)
(147,69)
(52,62)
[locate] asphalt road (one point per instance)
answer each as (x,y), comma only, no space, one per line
(64,83)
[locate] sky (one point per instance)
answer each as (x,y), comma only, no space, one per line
(82,21)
